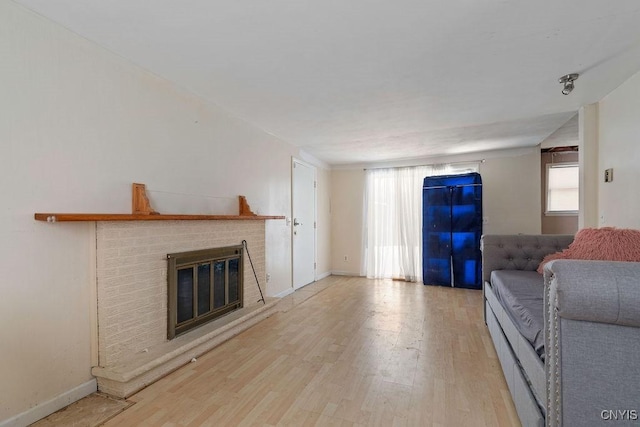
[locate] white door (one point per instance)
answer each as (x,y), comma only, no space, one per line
(304,217)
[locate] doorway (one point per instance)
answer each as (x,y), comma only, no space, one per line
(304,223)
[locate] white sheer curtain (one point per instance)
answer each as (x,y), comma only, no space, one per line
(393,219)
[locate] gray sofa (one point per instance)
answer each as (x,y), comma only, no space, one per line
(583,366)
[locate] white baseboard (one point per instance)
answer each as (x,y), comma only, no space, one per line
(50,406)
(345,273)
(279,295)
(303,286)
(323,275)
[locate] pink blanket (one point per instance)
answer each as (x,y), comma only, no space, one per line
(605,244)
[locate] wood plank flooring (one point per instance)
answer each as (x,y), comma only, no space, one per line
(359,353)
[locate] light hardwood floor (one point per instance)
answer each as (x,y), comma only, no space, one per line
(360,352)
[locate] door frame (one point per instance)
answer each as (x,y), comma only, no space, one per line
(295,160)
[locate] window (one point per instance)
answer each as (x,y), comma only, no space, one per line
(393,219)
(562,189)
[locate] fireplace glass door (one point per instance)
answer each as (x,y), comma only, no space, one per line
(203,285)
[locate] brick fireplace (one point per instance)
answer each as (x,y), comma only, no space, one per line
(131,261)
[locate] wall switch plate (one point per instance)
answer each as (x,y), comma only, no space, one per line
(608,175)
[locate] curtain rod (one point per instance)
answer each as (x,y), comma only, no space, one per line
(429,164)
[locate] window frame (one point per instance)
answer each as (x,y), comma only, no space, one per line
(548,212)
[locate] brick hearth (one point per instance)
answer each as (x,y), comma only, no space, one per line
(133,349)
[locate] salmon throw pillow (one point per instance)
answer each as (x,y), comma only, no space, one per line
(603,244)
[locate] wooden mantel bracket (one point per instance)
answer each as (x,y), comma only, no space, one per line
(139,201)
(245,209)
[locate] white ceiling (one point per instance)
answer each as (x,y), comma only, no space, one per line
(376,80)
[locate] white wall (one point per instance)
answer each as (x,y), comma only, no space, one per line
(511,202)
(619,148)
(511,193)
(78,125)
(347,192)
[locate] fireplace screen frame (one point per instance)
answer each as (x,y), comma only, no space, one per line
(185,260)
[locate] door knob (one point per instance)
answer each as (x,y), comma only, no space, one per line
(295,222)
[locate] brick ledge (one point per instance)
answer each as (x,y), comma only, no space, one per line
(126,378)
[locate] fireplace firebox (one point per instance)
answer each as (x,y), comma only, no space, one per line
(203,285)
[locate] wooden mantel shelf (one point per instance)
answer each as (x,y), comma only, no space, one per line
(63,217)
(142,211)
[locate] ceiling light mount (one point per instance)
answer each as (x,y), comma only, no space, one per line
(568,80)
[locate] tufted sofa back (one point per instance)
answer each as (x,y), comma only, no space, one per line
(518,251)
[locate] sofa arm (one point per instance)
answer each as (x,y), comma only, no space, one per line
(596,291)
(592,342)
(518,251)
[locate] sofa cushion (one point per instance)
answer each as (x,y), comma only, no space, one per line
(521,293)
